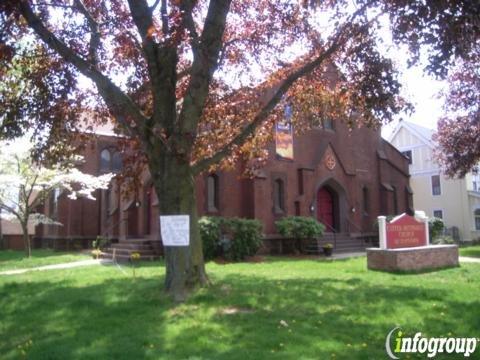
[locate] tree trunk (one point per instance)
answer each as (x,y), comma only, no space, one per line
(175,186)
(26,239)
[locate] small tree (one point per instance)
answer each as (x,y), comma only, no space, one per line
(24,185)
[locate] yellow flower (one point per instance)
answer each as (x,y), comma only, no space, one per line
(135,256)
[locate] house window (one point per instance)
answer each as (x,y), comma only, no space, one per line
(279,196)
(475,179)
(476,214)
(105,160)
(366,200)
(436,189)
(408,155)
(438,214)
(212,193)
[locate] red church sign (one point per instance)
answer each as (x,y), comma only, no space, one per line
(405,231)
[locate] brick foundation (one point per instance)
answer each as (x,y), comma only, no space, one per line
(413,259)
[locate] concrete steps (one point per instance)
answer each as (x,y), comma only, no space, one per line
(123,250)
(342,243)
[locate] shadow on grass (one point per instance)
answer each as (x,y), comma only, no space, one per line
(13,255)
(293,318)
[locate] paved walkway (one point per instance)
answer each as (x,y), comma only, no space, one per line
(348,255)
(58,266)
(469,259)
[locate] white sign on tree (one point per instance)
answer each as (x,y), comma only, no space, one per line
(175,230)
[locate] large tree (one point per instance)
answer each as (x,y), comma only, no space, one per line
(195,82)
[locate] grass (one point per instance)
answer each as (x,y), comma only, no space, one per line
(472,251)
(10,259)
(281,309)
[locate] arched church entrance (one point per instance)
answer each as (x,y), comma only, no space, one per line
(328,208)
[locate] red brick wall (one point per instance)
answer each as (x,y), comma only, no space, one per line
(362,159)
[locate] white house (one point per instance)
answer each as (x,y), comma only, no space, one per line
(456,201)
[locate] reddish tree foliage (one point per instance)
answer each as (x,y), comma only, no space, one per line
(458,135)
(197,82)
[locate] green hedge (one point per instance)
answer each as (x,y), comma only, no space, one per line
(299,227)
(435,228)
(231,238)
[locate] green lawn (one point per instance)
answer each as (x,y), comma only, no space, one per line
(281,309)
(473,251)
(10,259)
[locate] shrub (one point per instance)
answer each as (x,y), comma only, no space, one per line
(435,228)
(246,238)
(100,242)
(234,238)
(211,235)
(442,240)
(299,227)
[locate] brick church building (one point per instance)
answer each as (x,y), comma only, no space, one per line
(344,178)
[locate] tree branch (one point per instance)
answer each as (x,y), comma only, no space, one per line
(95,32)
(117,101)
(161,62)
(154,6)
(204,64)
(186,8)
(164,14)
(10,210)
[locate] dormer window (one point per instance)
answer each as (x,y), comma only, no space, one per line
(408,155)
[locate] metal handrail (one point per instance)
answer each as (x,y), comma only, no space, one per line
(334,234)
(349,223)
(110,226)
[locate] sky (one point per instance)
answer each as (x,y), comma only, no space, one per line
(423,92)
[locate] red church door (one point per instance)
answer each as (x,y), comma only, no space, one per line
(325,208)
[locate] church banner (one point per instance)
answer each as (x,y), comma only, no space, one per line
(284,137)
(284,140)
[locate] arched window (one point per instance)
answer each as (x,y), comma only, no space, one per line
(395,201)
(212,193)
(53,206)
(408,198)
(328,123)
(105,161)
(117,162)
(108,201)
(279,196)
(366,200)
(476,214)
